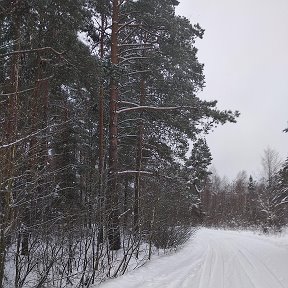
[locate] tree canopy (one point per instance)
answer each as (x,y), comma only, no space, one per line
(98,108)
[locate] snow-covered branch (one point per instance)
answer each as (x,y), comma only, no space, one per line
(3,146)
(152,108)
(134,44)
(128,103)
(122,26)
(32,51)
(133,58)
(134,172)
(137,72)
(18,92)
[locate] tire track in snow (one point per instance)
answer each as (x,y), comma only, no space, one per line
(261,265)
(213,270)
(242,270)
(258,272)
(207,269)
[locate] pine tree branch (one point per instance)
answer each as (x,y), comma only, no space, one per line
(132,109)
(18,92)
(128,103)
(27,90)
(132,58)
(122,26)
(135,44)
(32,51)
(3,146)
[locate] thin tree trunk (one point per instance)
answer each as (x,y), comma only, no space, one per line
(125,204)
(139,162)
(112,193)
(37,149)
(100,236)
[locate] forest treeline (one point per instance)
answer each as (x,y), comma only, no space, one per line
(248,203)
(98,109)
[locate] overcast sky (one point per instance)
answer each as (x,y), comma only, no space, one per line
(245,52)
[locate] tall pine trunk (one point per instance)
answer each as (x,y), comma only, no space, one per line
(112,209)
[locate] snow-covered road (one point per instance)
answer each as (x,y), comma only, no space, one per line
(216,259)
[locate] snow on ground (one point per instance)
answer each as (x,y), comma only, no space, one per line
(216,259)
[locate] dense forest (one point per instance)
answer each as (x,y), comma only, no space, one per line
(102,142)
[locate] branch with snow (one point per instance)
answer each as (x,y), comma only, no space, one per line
(135,172)
(132,58)
(153,108)
(3,146)
(32,51)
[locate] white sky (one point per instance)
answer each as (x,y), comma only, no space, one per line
(245,52)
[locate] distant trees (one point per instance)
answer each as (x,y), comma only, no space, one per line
(271,164)
(246,202)
(268,199)
(226,203)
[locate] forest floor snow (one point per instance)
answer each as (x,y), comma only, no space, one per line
(216,259)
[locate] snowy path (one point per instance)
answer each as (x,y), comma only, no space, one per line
(215,259)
